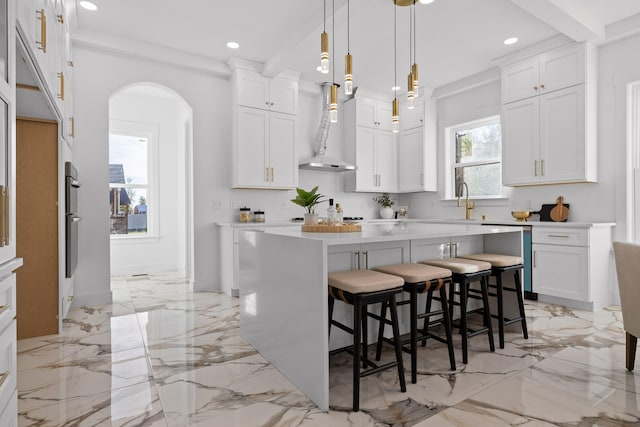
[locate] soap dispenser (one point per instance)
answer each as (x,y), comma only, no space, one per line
(332,214)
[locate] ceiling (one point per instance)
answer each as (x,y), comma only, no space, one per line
(454,38)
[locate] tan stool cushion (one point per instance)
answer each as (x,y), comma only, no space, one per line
(359,281)
(496,260)
(459,265)
(414,273)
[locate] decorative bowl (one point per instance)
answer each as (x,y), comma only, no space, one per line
(521,216)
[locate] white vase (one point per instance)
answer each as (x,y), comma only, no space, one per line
(310,219)
(386,212)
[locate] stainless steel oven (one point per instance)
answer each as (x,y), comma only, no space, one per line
(72,186)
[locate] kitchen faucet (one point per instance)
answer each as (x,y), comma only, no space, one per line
(468,205)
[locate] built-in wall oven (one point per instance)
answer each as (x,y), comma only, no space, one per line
(71,217)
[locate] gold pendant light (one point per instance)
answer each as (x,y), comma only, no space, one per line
(395,117)
(414,67)
(324,44)
(333,105)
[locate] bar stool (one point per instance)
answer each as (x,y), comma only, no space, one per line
(501,264)
(466,271)
(360,288)
(418,279)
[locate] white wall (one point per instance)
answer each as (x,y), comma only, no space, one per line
(164,249)
(96,77)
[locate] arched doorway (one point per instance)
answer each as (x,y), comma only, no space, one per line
(150,180)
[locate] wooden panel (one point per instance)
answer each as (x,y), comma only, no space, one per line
(37,227)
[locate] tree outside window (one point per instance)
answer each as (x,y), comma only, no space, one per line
(476,158)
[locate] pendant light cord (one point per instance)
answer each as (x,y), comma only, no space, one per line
(415,59)
(324,11)
(411,35)
(348,30)
(333,39)
(395,53)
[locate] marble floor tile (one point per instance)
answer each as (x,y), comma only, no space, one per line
(162,355)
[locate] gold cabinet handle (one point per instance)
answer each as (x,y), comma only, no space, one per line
(60,19)
(61,94)
(42,44)
(535,263)
(73,127)
(541,167)
(358,258)
(541,86)
(273,174)
(535,168)
(366,259)
(70,298)
(535,88)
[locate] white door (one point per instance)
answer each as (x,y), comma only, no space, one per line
(561,271)
(365,159)
(520,80)
(386,159)
(251,155)
(562,135)
(283,95)
(520,142)
(282,150)
(411,160)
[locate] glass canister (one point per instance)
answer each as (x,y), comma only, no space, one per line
(245,214)
(258,216)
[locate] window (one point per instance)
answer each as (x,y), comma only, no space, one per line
(474,153)
(131,204)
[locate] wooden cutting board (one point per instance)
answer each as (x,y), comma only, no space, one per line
(560,211)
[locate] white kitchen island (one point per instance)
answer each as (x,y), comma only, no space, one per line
(283,284)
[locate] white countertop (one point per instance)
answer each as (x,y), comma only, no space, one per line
(393,231)
(568,224)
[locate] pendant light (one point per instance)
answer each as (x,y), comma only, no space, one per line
(414,67)
(395,118)
(333,106)
(324,44)
(348,74)
(410,79)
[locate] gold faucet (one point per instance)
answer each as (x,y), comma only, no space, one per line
(468,205)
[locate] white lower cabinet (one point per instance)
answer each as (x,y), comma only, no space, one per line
(375,152)
(9,416)
(573,266)
(561,271)
(229,244)
(8,365)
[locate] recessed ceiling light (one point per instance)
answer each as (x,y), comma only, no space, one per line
(395,88)
(426,1)
(88,5)
(233,45)
(511,40)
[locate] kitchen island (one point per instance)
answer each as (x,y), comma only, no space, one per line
(283,284)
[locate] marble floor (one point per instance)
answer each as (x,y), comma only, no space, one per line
(164,356)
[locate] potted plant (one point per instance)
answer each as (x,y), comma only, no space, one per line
(308,200)
(385,203)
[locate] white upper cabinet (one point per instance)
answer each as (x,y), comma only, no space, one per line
(256,91)
(373,113)
(555,70)
(412,118)
(549,133)
(370,146)
(265,129)
(44,31)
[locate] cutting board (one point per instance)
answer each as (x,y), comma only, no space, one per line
(559,213)
(545,211)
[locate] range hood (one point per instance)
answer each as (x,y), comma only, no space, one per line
(319,161)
